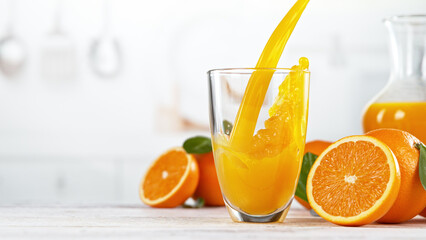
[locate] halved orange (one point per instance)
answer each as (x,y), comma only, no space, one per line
(170,180)
(355,181)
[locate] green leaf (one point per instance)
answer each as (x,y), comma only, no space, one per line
(308,161)
(198,145)
(198,203)
(422,163)
(227,127)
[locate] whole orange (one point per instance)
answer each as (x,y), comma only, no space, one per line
(411,198)
(423,213)
(208,186)
(316,147)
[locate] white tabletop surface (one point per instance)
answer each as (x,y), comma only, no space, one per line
(141,222)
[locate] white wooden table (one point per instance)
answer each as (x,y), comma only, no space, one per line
(140,222)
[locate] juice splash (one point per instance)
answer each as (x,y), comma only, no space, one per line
(407,116)
(245,122)
(258,172)
(263,178)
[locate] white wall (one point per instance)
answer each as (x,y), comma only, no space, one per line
(71,141)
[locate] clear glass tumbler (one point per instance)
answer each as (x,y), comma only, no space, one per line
(258,176)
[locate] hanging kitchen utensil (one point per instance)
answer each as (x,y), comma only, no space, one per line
(58,57)
(12,51)
(105,52)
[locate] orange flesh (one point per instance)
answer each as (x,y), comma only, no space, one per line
(407,116)
(286,115)
(366,170)
(165,175)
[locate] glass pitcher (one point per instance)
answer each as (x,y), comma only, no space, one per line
(402,103)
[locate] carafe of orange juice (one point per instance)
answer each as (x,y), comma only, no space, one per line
(402,103)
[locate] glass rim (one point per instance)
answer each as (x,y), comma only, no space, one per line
(251,70)
(406,19)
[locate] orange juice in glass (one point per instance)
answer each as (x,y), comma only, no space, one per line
(258,119)
(258,176)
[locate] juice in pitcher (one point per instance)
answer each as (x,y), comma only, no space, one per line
(407,116)
(402,103)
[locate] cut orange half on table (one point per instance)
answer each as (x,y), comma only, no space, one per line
(170,180)
(355,181)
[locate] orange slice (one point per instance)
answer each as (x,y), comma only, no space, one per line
(355,181)
(170,180)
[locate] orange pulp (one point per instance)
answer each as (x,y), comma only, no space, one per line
(262,179)
(254,95)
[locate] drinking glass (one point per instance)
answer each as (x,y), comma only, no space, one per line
(258,177)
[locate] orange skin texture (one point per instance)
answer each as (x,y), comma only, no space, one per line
(316,147)
(181,194)
(423,213)
(208,186)
(411,198)
(303,203)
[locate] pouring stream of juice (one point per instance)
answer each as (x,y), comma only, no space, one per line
(245,122)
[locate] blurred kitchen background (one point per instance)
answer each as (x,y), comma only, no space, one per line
(91,91)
